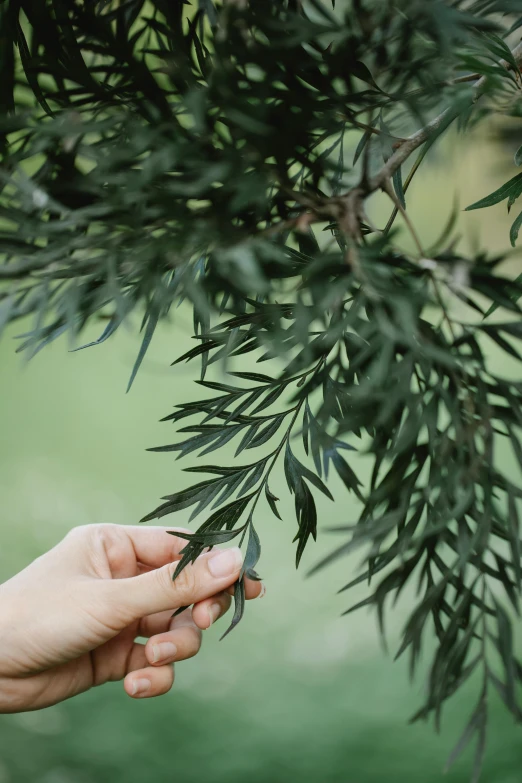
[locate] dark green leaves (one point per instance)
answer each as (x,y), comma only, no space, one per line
(253,552)
(511,191)
(296,472)
(423,400)
(515,229)
(239,605)
(272,500)
(305,509)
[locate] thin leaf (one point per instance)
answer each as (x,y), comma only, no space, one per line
(239,606)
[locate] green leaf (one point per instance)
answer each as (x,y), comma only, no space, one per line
(399,188)
(239,606)
(307,520)
(209,537)
(510,190)
(515,229)
(295,472)
(272,499)
(253,376)
(253,552)
(363,141)
(150,323)
(347,475)
(227,516)
(514,297)
(505,647)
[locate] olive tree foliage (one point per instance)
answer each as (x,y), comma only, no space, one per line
(222,154)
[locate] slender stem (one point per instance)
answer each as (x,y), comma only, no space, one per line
(389,190)
(407,183)
(440,300)
(413,142)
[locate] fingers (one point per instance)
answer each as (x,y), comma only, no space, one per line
(157,591)
(148,682)
(162,621)
(206,612)
(183,641)
(155,623)
(182,638)
(143,681)
(179,638)
(253,589)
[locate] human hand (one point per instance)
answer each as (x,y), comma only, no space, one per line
(69,620)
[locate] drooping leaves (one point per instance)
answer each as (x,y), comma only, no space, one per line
(155,154)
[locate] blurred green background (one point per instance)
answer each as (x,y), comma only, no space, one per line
(296,692)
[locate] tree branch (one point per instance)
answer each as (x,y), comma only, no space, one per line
(348,209)
(421,136)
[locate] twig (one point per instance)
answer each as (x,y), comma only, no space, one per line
(419,137)
(348,209)
(412,143)
(388,189)
(407,184)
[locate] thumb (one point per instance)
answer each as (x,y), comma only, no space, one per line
(157,591)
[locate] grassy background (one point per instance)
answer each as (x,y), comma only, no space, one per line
(297,692)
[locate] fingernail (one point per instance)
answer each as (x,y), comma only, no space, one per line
(213,613)
(225,563)
(263,590)
(140,686)
(164,651)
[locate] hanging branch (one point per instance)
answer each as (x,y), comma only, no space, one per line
(162,153)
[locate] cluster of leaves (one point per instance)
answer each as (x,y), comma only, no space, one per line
(415,393)
(161,151)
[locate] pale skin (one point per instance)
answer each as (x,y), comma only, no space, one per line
(69,621)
